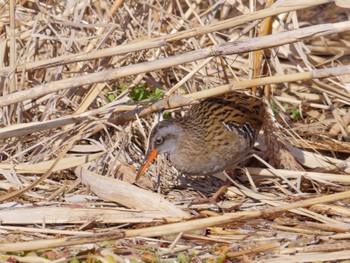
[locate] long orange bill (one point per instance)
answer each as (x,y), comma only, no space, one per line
(146,162)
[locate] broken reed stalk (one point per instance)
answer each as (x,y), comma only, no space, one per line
(169,229)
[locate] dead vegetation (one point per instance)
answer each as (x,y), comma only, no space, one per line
(83,83)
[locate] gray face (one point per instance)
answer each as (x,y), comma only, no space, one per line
(164,137)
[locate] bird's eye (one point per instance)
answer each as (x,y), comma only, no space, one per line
(159,140)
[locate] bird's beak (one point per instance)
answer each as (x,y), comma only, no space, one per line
(146,162)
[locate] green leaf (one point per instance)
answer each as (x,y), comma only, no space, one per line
(122,87)
(139,93)
(111,97)
(295,114)
(158,94)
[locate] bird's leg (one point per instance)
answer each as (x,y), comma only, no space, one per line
(218,193)
(224,187)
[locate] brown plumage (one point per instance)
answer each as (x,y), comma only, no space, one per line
(214,135)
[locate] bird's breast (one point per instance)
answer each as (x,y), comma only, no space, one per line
(204,157)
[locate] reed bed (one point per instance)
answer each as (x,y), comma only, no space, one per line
(82,84)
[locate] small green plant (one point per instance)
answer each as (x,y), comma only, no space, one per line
(140,92)
(296,114)
(111,97)
(166,115)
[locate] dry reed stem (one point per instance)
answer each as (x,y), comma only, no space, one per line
(328,145)
(325,177)
(267,247)
(42,167)
(75,215)
(273,200)
(17,130)
(301,230)
(310,257)
(44,230)
(318,248)
(13,75)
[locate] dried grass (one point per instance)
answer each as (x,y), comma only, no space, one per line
(69,152)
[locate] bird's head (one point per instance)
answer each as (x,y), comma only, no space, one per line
(164,139)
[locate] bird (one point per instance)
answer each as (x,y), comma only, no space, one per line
(214,135)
